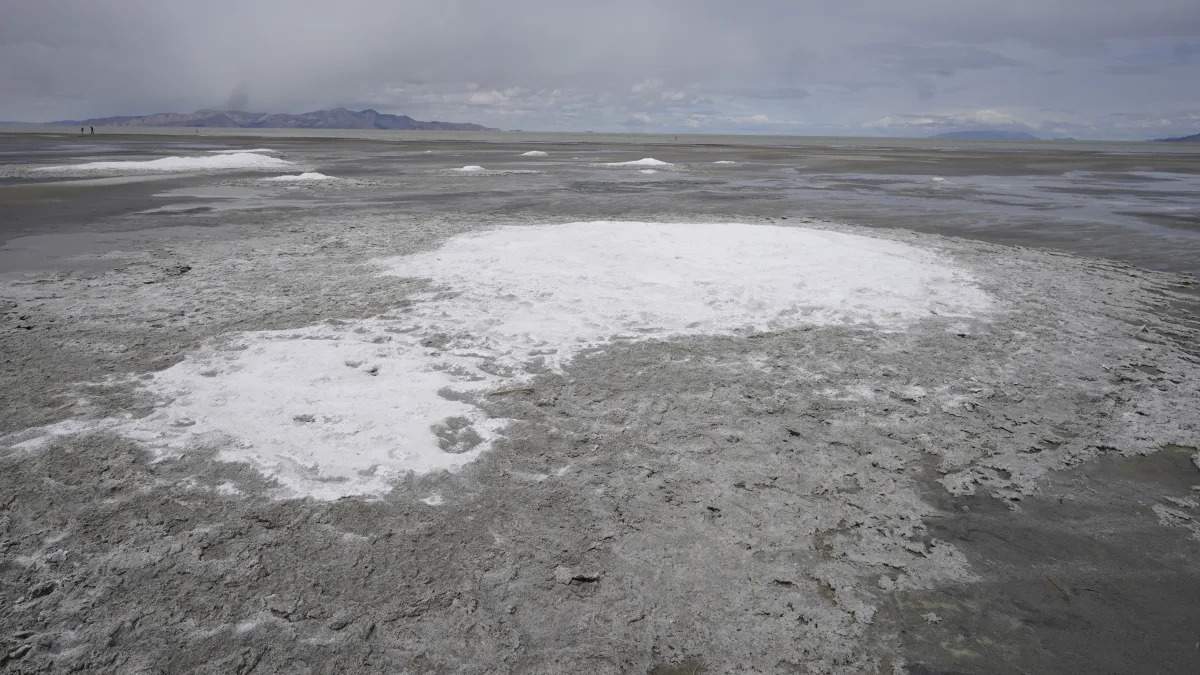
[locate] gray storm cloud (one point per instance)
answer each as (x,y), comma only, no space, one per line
(1070,67)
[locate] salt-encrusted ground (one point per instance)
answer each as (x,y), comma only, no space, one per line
(762,498)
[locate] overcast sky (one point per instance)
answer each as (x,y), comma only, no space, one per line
(1082,68)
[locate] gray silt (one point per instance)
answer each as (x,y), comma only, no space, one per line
(754,503)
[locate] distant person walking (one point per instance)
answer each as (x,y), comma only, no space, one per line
(93,130)
(80,131)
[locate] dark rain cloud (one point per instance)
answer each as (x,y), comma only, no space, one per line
(1106,69)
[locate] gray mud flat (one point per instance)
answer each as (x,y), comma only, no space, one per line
(1014,493)
(837,499)
(1083,580)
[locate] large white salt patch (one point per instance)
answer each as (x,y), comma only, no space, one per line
(324,410)
(218,162)
(335,410)
(584,283)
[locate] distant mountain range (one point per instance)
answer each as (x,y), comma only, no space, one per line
(1194,138)
(338,118)
(989,135)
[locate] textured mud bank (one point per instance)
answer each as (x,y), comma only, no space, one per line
(761,501)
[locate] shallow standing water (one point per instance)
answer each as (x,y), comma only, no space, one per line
(1134,202)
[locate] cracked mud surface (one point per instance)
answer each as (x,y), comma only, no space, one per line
(750,502)
(764,502)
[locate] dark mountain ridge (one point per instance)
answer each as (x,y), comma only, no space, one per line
(1194,138)
(338,118)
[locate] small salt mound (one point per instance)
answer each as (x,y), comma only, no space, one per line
(533,153)
(647,171)
(225,162)
(257,151)
(724,161)
(307,176)
(938,179)
(329,411)
(646,161)
(470,168)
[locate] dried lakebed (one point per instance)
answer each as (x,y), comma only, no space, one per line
(671,465)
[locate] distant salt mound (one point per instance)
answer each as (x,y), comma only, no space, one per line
(646,161)
(474,170)
(257,151)
(304,177)
(938,179)
(224,162)
(724,161)
(647,171)
(533,153)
